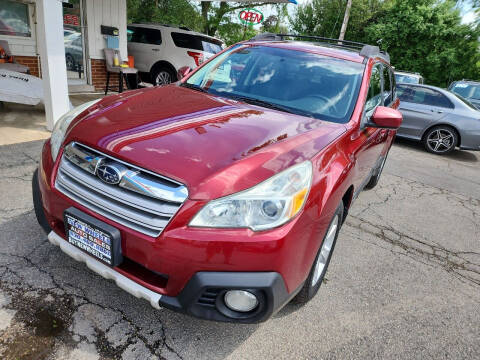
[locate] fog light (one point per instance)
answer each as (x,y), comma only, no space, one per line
(240,300)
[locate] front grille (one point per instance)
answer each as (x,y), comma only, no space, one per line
(146,214)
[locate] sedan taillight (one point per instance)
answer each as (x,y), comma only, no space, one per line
(198,57)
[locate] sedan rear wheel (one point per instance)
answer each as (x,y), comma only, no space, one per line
(440,140)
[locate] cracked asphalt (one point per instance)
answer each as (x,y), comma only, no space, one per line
(403,283)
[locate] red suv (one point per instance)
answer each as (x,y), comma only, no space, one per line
(222,195)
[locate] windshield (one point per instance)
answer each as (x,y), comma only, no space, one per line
(465,101)
(407,79)
(303,83)
(469,91)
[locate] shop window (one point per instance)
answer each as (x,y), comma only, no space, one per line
(14,19)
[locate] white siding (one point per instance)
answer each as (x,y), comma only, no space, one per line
(24,46)
(109,13)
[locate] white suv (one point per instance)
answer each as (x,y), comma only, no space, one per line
(162,49)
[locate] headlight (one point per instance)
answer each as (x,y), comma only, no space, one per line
(61,126)
(264,206)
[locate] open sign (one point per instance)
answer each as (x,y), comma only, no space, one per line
(250,16)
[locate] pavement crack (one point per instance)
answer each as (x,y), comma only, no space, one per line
(451,261)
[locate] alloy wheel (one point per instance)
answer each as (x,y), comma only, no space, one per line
(325,250)
(163,78)
(440,140)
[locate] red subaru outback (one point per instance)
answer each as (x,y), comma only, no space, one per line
(222,195)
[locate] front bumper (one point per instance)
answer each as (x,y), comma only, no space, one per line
(202,297)
(178,268)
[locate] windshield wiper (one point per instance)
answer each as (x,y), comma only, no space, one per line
(269,105)
(193,87)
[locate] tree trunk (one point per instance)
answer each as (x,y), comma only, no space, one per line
(345,20)
(205,7)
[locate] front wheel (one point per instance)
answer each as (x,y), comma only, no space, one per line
(440,140)
(376,176)
(320,265)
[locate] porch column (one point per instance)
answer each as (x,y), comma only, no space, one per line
(52,57)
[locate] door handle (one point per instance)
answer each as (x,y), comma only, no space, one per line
(154,49)
(437,111)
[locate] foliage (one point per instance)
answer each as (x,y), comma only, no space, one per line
(427,36)
(325,17)
(174,12)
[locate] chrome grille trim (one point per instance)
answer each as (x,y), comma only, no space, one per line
(145,214)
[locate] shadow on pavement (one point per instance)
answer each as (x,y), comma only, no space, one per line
(459,155)
(31,270)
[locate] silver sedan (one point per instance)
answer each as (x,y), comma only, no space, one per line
(438,118)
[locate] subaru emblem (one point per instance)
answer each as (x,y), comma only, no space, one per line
(111,173)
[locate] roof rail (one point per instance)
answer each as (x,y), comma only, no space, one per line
(365,49)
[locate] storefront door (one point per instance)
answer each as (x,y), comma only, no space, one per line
(74,41)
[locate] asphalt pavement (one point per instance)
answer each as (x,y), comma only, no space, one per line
(403,283)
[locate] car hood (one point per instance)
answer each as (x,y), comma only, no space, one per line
(215,146)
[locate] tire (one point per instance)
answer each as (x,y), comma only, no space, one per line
(70,62)
(162,76)
(440,140)
(37,204)
(376,176)
(317,274)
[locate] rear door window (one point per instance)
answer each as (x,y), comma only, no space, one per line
(144,35)
(430,97)
(196,42)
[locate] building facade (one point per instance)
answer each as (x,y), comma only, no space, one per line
(82,33)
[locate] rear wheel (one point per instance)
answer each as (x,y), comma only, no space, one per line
(162,76)
(322,260)
(440,140)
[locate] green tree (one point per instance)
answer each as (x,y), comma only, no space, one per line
(174,12)
(324,17)
(427,36)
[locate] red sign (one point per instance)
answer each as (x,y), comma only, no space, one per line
(251,16)
(69,19)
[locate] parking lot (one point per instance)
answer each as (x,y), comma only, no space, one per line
(403,283)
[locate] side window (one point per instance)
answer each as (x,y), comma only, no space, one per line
(144,35)
(405,93)
(387,86)
(153,36)
(431,97)
(132,34)
(374,96)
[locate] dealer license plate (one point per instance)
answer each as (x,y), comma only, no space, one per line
(95,237)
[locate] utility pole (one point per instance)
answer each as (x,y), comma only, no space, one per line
(345,20)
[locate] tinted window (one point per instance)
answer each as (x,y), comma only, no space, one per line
(14,20)
(469,91)
(374,97)
(144,35)
(407,79)
(299,82)
(423,96)
(196,42)
(387,86)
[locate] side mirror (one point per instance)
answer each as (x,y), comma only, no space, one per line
(183,71)
(384,117)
